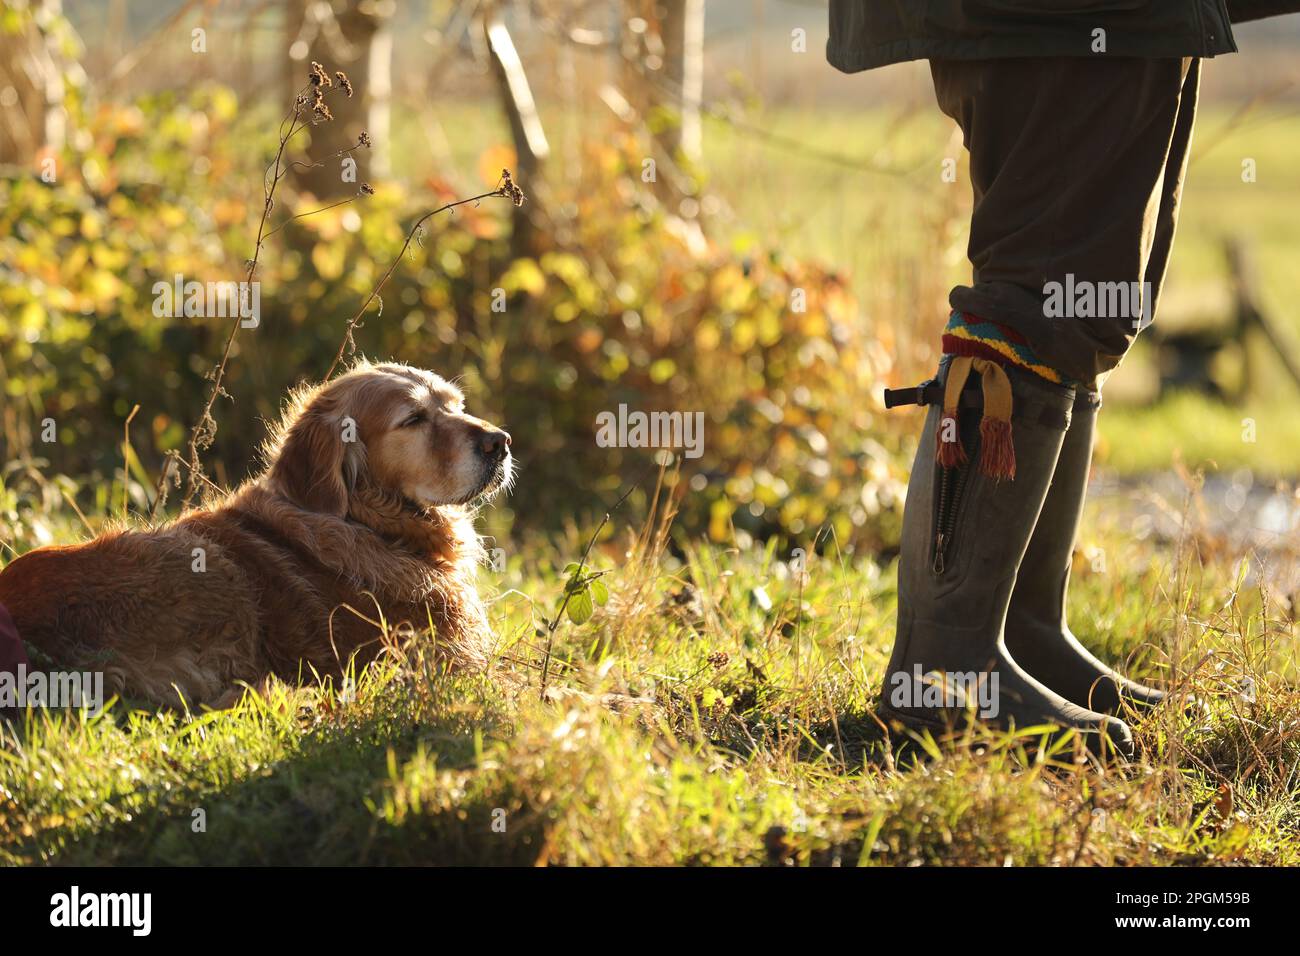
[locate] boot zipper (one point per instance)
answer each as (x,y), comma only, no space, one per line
(952,484)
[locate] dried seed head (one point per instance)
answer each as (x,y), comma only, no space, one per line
(366,189)
(364,139)
(509,189)
(318,76)
(344,82)
(318,105)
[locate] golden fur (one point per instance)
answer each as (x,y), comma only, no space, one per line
(292,572)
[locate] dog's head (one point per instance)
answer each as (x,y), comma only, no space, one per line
(400,429)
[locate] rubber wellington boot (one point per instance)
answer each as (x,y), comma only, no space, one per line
(964,539)
(1037,633)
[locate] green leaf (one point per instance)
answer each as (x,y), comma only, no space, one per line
(599,592)
(580,607)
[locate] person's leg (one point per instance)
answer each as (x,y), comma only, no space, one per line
(1171,187)
(1037,632)
(1073,207)
(1067,161)
(963,541)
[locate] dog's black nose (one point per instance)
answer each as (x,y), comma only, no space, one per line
(494,444)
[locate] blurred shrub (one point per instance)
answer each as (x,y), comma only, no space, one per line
(629,307)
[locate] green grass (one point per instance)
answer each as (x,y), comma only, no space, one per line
(741,735)
(1202,433)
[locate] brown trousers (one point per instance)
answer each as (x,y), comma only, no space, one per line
(1077,165)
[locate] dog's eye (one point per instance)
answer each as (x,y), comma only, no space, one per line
(413,420)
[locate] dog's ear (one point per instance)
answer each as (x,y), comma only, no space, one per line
(309,468)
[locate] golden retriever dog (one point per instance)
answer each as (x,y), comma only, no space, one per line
(362,519)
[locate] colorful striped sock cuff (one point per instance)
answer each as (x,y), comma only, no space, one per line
(975,337)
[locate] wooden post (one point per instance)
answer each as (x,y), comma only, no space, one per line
(1249,312)
(683,37)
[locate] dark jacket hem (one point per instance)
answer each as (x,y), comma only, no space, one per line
(850,59)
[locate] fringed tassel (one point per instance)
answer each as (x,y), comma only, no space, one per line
(997,452)
(949,451)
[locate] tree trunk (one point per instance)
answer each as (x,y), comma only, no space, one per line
(33,120)
(662,54)
(352,36)
(531,146)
